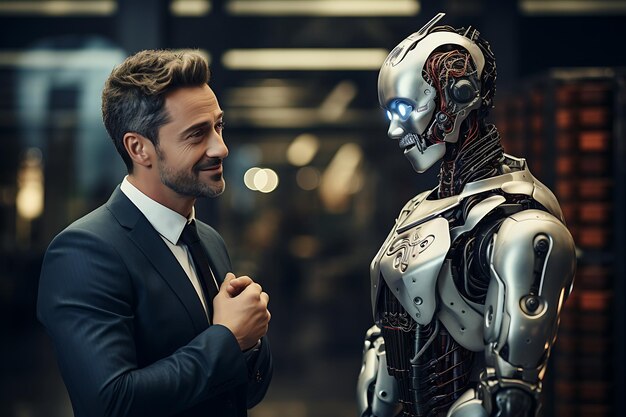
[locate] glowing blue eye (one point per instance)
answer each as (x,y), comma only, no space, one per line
(389,115)
(404,110)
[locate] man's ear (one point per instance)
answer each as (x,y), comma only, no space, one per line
(140,149)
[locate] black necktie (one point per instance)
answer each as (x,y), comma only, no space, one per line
(200,259)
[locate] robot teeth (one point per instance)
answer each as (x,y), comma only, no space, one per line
(412,139)
(409,140)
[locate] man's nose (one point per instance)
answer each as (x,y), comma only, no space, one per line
(217,148)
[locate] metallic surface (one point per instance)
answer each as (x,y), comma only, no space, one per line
(376,389)
(531,262)
(468,286)
(468,405)
(478,212)
(520,182)
(519,270)
(398,256)
(411,263)
(460,319)
(401,81)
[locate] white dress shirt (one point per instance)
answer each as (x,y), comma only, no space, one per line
(169,224)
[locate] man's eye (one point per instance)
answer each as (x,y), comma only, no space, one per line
(220,125)
(197,133)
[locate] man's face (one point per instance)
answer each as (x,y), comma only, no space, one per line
(191,148)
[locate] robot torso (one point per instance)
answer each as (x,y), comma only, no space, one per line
(415,261)
(440,275)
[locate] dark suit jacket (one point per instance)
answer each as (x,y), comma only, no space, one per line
(130,333)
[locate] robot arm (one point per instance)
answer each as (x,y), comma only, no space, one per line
(532,263)
(377,392)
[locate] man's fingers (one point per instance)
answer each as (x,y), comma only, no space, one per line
(265,298)
(227,279)
(237,285)
(241,282)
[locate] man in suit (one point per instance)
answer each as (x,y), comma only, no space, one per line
(138,296)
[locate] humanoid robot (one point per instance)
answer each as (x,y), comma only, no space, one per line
(468,286)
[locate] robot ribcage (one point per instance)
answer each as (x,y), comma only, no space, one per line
(430,382)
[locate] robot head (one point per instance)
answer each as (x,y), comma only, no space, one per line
(429,85)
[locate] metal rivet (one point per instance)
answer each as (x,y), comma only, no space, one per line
(532,303)
(418,301)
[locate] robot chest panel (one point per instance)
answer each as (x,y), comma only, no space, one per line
(410,262)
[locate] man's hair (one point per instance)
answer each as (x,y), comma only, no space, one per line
(133,98)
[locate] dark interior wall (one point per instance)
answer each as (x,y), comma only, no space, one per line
(570,41)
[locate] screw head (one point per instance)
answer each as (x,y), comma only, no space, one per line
(532,304)
(541,244)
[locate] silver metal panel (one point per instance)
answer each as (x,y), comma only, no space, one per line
(385,399)
(375,265)
(463,323)
(547,199)
(518,187)
(494,304)
(421,160)
(367,376)
(398,78)
(384,402)
(530,335)
(467,405)
(426,210)
(514,182)
(410,266)
(476,214)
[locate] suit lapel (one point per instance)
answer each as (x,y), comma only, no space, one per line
(160,256)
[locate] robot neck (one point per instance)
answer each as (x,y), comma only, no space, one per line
(474,157)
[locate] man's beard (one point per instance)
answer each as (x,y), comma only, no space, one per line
(189,183)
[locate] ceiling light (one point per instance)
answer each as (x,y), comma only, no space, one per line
(303,149)
(324,7)
(190,8)
(304,59)
(59,8)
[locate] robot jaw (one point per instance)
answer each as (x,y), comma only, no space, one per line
(423,158)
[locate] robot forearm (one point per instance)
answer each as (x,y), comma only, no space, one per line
(376,389)
(495,399)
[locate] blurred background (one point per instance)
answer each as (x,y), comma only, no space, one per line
(314,185)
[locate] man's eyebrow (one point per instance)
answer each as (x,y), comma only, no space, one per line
(195,127)
(200,125)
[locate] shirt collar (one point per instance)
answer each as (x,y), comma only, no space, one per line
(165,221)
